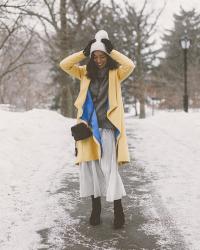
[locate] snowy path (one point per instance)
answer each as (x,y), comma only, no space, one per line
(145,228)
(148,223)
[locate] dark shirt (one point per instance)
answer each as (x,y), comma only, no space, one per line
(99,91)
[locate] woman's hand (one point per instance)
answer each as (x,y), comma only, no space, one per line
(108,45)
(86,51)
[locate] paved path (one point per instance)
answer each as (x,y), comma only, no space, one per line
(148,224)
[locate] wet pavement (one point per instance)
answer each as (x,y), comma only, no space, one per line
(148,224)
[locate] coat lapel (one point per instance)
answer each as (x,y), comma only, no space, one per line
(82,95)
(112,93)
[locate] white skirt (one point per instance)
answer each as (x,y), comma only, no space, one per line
(101,177)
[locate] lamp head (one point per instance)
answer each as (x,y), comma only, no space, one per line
(185,42)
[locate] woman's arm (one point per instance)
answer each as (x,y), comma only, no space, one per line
(69,64)
(126,64)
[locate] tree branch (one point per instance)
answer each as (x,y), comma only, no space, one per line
(38,15)
(50,9)
(13,69)
(10,31)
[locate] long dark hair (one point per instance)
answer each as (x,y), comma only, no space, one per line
(92,67)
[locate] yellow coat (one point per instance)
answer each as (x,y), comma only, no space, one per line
(89,149)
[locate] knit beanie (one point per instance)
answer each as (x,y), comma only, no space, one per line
(98,45)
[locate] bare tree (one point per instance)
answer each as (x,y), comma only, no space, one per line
(15,41)
(62,22)
(19,53)
(139,29)
(8,30)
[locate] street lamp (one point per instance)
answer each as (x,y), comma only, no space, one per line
(185,44)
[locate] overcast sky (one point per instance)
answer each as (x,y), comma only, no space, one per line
(172,6)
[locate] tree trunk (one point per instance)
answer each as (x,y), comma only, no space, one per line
(135,106)
(142,100)
(66,98)
(142,109)
(1,95)
(140,72)
(66,102)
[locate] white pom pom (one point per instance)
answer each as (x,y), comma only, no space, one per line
(101,34)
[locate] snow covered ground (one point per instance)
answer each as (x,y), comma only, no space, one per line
(168,146)
(36,154)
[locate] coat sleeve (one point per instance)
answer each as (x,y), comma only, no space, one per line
(70,64)
(126,64)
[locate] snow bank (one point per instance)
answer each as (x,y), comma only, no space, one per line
(36,153)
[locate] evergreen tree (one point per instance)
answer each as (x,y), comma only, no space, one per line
(171,69)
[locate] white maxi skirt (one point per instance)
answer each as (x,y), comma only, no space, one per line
(101,177)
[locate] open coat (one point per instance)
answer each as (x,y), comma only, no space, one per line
(90,148)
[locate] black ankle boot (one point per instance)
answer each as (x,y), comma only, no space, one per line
(96,211)
(119,219)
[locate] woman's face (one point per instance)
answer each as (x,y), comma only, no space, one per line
(100,59)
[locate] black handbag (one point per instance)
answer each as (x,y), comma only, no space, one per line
(81,131)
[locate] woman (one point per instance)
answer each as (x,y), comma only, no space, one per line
(100,99)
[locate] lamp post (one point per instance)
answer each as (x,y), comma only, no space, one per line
(185,44)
